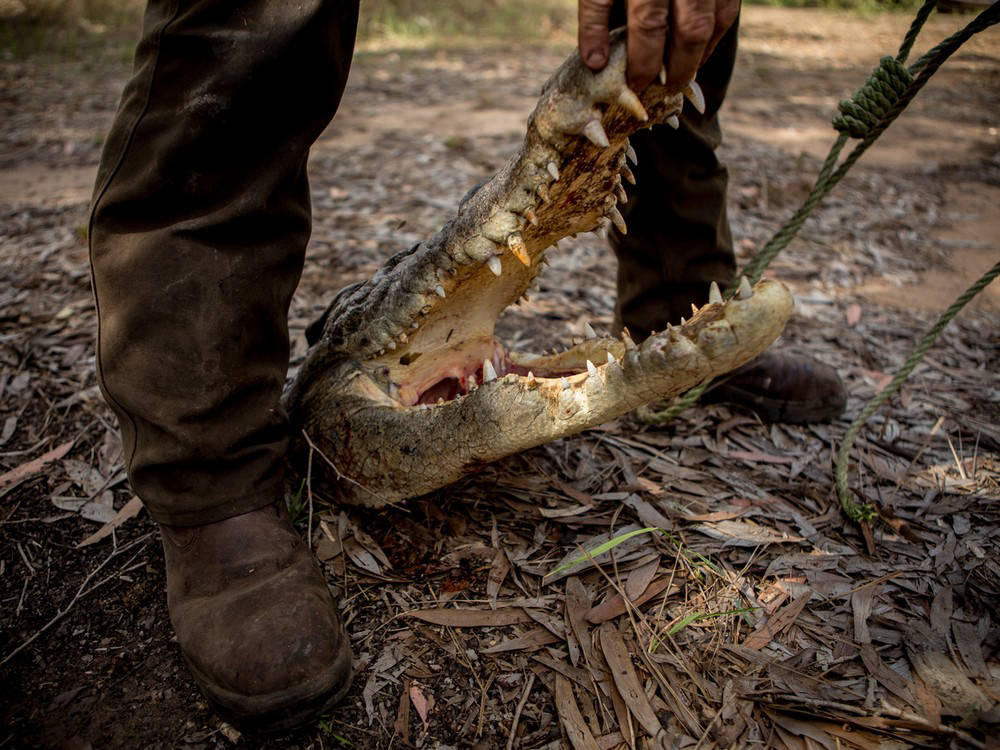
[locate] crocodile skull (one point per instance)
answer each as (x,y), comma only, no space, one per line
(407,388)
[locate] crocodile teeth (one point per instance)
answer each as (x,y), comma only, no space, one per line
(591,368)
(714,295)
(516,244)
(618,220)
(488,372)
(694,309)
(628,174)
(629,343)
(494,264)
(530,215)
(663,75)
(439,290)
(553,170)
(630,101)
(630,153)
(683,320)
(531,376)
(595,134)
(622,195)
(589,331)
(745,291)
(543,192)
(611,359)
(674,121)
(692,92)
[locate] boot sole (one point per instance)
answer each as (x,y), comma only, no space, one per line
(283,710)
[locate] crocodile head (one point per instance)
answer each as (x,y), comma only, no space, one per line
(407,388)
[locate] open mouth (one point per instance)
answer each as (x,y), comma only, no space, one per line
(408,388)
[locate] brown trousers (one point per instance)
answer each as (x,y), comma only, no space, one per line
(200,221)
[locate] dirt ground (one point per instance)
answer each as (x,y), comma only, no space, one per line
(762,619)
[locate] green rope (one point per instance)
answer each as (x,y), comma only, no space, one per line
(887,79)
(911,35)
(866,512)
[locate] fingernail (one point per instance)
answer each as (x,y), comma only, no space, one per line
(595,58)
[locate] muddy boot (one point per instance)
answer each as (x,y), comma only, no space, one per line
(255,620)
(784,387)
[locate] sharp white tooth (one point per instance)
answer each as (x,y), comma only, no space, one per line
(628,174)
(488,372)
(553,170)
(439,290)
(622,195)
(595,134)
(543,193)
(440,401)
(714,295)
(591,369)
(516,244)
(564,383)
(674,121)
(414,326)
(618,220)
(531,376)
(471,382)
(629,343)
(694,309)
(663,75)
(611,358)
(531,216)
(588,331)
(745,291)
(683,321)
(630,153)
(631,102)
(494,264)
(694,95)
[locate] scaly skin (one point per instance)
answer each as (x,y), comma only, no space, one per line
(389,393)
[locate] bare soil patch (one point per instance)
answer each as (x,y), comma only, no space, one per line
(763,618)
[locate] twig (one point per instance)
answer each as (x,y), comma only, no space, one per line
(80,592)
(338,472)
(309,494)
(517,711)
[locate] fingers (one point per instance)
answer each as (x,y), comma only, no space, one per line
(726,13)
(593,32)
(647,36)
(692,28)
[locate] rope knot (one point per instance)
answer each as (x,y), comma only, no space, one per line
(874,100)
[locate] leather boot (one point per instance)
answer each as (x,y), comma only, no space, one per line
(784,387)
(255,619)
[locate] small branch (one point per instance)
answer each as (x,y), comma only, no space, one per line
(517,712)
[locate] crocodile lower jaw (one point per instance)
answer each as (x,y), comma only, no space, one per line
(386,451)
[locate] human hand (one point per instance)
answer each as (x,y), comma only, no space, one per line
(678,35)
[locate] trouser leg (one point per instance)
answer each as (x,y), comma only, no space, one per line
(198,230)
(678,238)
